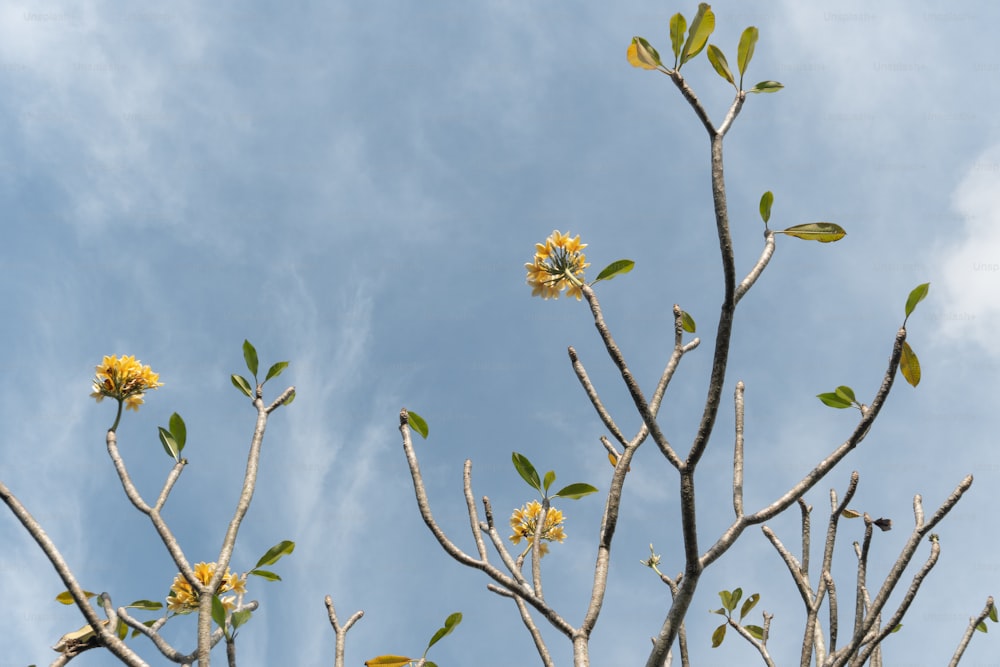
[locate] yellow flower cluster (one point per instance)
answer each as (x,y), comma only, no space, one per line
(524,520)
(558,265)
(124,379)
(183,599)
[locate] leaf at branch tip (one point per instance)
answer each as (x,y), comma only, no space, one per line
(265,574)
(275,553)
(748,605)
(727,600)
(550,477)
(755,631)
(240,617)
(916,296)
(993,613)
(242,384)
(982,627)
(824,232)
(417,423)
(909,365)
(678,26)
(291,397)
(744,52)
(897,628)
(575,491)
(526,470)
(614,461)
(250,356)
(178,430)
(388,661)
(450,624)
(766,200)
(218,612)
(766,87)
(846,393)
(641,54)
(850,514)
(701,28)
(719,62)
(275,370)
(883,524)
(615,268)
(687,322)
(169,444)
(67,598)
(718,636)
(834,400)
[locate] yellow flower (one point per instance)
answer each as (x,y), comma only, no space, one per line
(558,264)
(183,599)
(124,379)
(524,520)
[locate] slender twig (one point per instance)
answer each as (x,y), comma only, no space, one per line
(967,637)
(738,452)
(340,631)
(595,400)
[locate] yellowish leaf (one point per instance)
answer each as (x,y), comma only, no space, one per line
(641,54)
(388,661)
(909,365)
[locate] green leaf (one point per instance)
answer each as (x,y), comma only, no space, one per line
(275,370)
(291,397)
(898,627)
(526,470)
(240,617)
(641,54)
(417,423)
(250,356)
(550,477)
(450,624)
(575,491)
(766,200)
(766,87)
(67,598)
(169,444)
(121,630)
(727,600)
(613,269)
(718,636)
(916,296)
(275,553)
(147,605)
(737,596)
(909,365)
(755,631)
(702,26)
(218,612)
(719,62)
(748,605)
(846,393)
(982,627)
(678,25)
(993,613)
(744,52)
(824,232)
(242,384)
(178,430)
(687,322)
(428,663)
(265,574)
(834,400)
(388,661)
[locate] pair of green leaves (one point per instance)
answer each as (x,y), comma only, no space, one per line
(909,364)
(250,357)
(238,618)
(528,473)
(729,601)
(450,624)
(824,232)
(173,439)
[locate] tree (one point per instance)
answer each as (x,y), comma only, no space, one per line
(559,264)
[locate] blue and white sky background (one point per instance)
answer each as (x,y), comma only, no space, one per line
(355,188)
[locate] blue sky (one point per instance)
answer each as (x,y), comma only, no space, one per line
(356,188)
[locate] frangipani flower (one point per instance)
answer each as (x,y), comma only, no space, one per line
(524,520)
(558,265)
(183,598)
(124,379)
